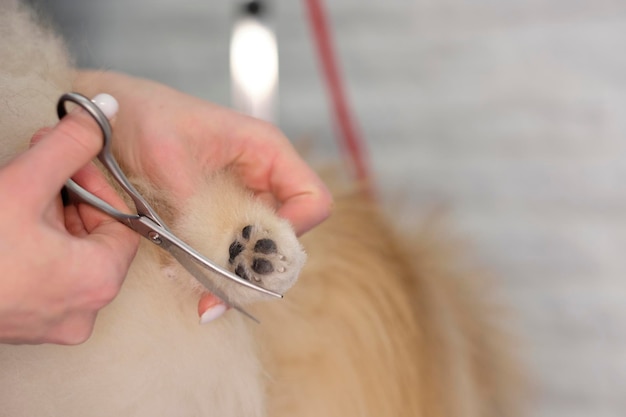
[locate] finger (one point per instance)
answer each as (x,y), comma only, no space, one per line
(304,208)
(115,243)
(102,229)
(210,308)
(58,154)
(73,329)
(303,197)
(113,239)
(268,162)
(40,134)
(73,222)
(91,178)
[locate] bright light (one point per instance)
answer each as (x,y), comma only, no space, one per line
(254,67)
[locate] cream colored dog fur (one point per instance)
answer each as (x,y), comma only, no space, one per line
(378,324)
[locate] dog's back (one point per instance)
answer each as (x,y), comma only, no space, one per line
(381,323)
(378,325)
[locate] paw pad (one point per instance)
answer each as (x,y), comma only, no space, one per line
(254,255)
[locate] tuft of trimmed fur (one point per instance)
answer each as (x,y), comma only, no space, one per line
(380,323)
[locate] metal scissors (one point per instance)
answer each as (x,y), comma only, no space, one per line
(146,221)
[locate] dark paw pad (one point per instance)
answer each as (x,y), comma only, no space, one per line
(245,232)
(265,246)
(235,249)
(262,266)
(253,254)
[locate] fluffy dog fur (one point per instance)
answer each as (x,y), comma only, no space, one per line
(378,324)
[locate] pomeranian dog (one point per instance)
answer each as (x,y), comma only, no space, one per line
(379,324)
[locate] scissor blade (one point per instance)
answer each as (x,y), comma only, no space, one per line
(192,261)
(167,240)
(196,271)
(158,235)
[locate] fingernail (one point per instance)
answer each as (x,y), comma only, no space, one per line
(107,103)
(213,313)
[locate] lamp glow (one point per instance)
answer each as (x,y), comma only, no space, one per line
(254,68)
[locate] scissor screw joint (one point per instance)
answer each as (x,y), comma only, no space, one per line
(155,238)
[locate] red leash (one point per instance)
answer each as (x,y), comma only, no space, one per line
(352,142)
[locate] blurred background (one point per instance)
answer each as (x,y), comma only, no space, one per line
(511,114)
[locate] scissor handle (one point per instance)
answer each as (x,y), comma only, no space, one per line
(106,157)
(94,111)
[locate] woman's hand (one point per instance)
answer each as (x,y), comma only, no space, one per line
(59,265)
(174,139)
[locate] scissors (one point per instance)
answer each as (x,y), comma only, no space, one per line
(146,221)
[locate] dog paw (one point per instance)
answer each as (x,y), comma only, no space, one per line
(269,258)
(225,223)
